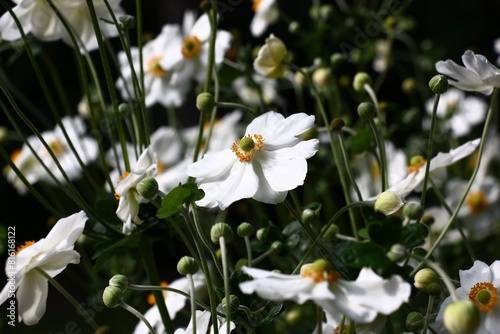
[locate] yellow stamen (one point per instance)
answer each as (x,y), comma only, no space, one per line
(56,147)
(120,180)
(477,202)
(190,46)
(15,155)
(244,153)
(256,4)
(337,330)
(415,164)
(26,244)
(154,67)
(319,271)
(484,295)
(151,297)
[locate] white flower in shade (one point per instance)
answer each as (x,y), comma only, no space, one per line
(251,94)
(173,300)
(440,218)
(189,55)
(477,75)
(332,326)
(50,255)
(416,170)
(203,323)
(266,13)
(478,284)
(271,59)
(459,112)
(264,165)
(32,169)
(361,300)
(38,18)
(167,88)
(381,60)
(126,193)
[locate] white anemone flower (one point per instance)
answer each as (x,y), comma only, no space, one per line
(264,165)
(459,112)
(361,300)
(167,88)
(251,94)
(126,193)
(203,323)
(173,300)
(271,59)
(478,284)
(478,74)
(49,255)
(332,326)
(189,55)
(437,170)
(266,13)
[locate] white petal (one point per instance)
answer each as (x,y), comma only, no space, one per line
(56,263)
(65,232)
(479,272)
(32,297)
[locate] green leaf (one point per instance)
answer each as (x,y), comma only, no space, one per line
(109,248)
(367,254)
(362,141)
(173,201)
(414,235)
(386,232)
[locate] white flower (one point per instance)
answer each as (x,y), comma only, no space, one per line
(85,146)
(460,112)
(250,95)
(271,59)
(478,284)
(477,75)
(437,170)
(382,49)
(128,207)
(332,326)
(50,255)
(203,323)
(174,302)
(264,165)
(189,55)
(360,301)
(266,13)
(167,88)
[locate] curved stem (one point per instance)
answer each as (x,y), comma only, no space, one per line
(381,151)
(138,315)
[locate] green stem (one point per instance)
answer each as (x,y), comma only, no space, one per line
(374,99)
(232,105)
(428,313)
(193,300)
(249,250)
(223,252)
(140,287)
(263,256)
(340,137)
(381,150)
(138,315)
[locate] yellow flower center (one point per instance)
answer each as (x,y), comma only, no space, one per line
(120,180)
(484,295)
(319,271)
(154,67)
(15,155)
(476,200)
(415,164)
(337,330)
(151,297)
(246,147)
(26,244)
(56,147)
(256,4)
(190,46)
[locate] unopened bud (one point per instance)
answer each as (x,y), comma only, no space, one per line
(147,188)
(277,247)
(245,230)
(240,263)
(396,253)
(461,317)
(337,124)
(220,230)
(123,109)
(120,281)
(337,60)
(127,21)
(388,203)
(360,79)
(413,210)
(331,233)
(434,289)
(112,296)
(206,6)
(428,220)
(322,78)
(425,277)
(415,322)
(187,265)
(294,27)
(308,215)
(205,102)
(366,110)
(234,303)
(409,86)
(438,84)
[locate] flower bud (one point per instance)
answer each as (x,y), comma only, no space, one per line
(308,215)
(425,277)
(438,84)
(206,6)
(428,220)
(123,109)
(147,188)
(127,21)
(322,78)
(277,247)
(415,322)
(326,11)
(270,61)
(300,78)
(103,330)
(240,263)
(187,265)
(337,60)
(221,230)
(461,317)
(337,124)
(331,234)
(245,230)
(120,281)
(260,234)
(396,253)
(112,296)
(388,203)
(205,102)
(294,27)
(413,210)
(360,79)
(366,110)
(434,289)
(293,317)
(234,303)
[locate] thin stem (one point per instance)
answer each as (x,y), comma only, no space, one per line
(223,252)
(381,151)
(232,105)
(428,313)
(193,300)
(340,137)
(249,250)
(138,315)
(263,256)
(140,287)
(374,99)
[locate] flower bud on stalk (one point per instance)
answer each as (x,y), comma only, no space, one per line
(360,79)
(187,266)
(147,188)
(438,84)
(205,102)
(245,230)
(112,296)
(119,281)
(221,230)
(461,317)
(389,203)
(425,277)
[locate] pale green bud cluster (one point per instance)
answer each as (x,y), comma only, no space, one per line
(220,230)
(187,266)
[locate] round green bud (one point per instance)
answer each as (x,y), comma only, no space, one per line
(234,303)
(331,234)
(415,322)
(112,296)
(360,79)
(240,263)
(308,215)
(147,188)
(277,247)
(294,27)
(318,62)
(205,102)
(461,317)
(428,220)
(438,84)
(322,78)
(409,86)
(337,59)
(187,265)
(120,281)
(388,203)
(366,110)
(293,317)
(260,234)
(425,277)
(103,330)
(127,21)
(220,230)
(326,11)
(396,253)
(206,6)
(413,210)
(123,109)
(337,124)
(245,230)
(434,289)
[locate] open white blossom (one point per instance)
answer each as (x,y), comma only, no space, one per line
(361,300)
(477,75)
(478,284)
(332,326)
(50,255)
(266,13)
(126,193)
(264,165)
(251,94)
(203,323)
